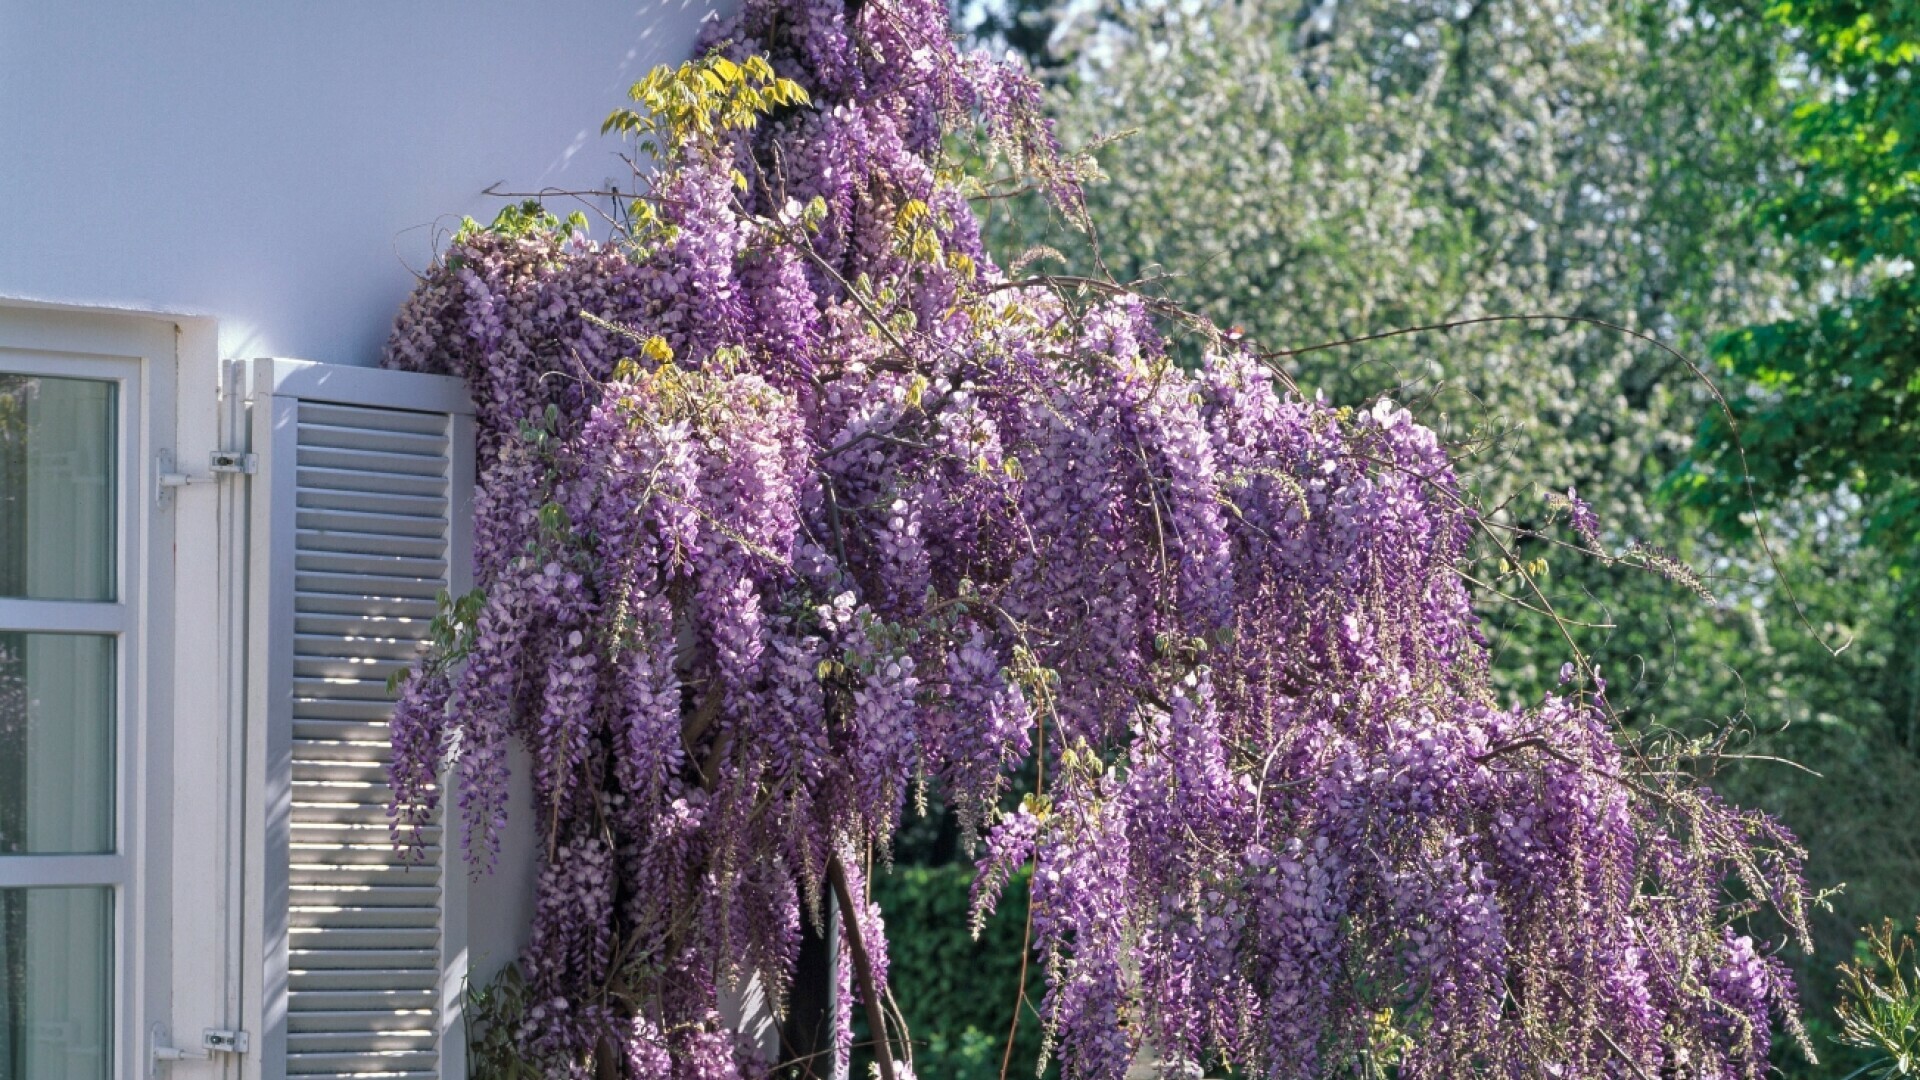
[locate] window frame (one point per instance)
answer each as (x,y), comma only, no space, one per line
(139,355)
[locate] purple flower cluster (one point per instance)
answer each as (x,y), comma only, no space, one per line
(782,519)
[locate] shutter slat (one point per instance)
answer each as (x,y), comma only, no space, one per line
(359,585)
(389,543)
(359,1020)
(399,508)
(357,668)
(326,917)
(307,748)
(372,564)
(339,794)
(307,1071)
(359,940)
(369,463)
(356,645)
(368,896)
(337,873)
(332,716)
(362,416)
(335,687)
(393,607)
(367,980)
(368,833)
(358,855)
(360,520)
(317,813)
(425,961)
(361,1065)
(314,479)
(338,1002)
(365,438)
(326,624)
(417,1040)
(353,832)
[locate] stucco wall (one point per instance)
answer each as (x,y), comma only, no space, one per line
(279,166)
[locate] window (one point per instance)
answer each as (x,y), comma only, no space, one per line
(69,454)
(300,589)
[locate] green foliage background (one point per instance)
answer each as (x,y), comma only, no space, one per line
(958,991)
(1830,397)
(1736,178)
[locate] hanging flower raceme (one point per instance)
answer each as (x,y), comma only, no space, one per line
(792,504)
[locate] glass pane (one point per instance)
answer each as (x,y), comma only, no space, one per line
(56,743)
(56,984)
(57,487)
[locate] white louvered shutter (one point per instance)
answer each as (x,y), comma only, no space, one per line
(361,508)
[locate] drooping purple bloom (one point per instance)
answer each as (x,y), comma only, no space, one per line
(886,521)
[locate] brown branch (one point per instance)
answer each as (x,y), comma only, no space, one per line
(863,970)
(710,768)
(1630,1063)
(702,719)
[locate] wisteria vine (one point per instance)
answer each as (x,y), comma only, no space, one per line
(794,505)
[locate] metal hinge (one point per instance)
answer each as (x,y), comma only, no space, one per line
(219,463)
(160,1049)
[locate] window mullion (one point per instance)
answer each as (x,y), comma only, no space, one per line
(63,617)
(59,871)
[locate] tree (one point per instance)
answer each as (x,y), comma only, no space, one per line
(793,504)
(1824,403)
(1409,164)
(1025,27)
(1830,398)
(1315,172)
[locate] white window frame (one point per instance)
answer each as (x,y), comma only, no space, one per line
(139,354)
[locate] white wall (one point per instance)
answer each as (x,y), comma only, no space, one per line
(280,166)
(500,904)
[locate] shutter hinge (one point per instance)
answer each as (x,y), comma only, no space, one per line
(219,463)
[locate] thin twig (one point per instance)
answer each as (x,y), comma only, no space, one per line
(1026,936)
